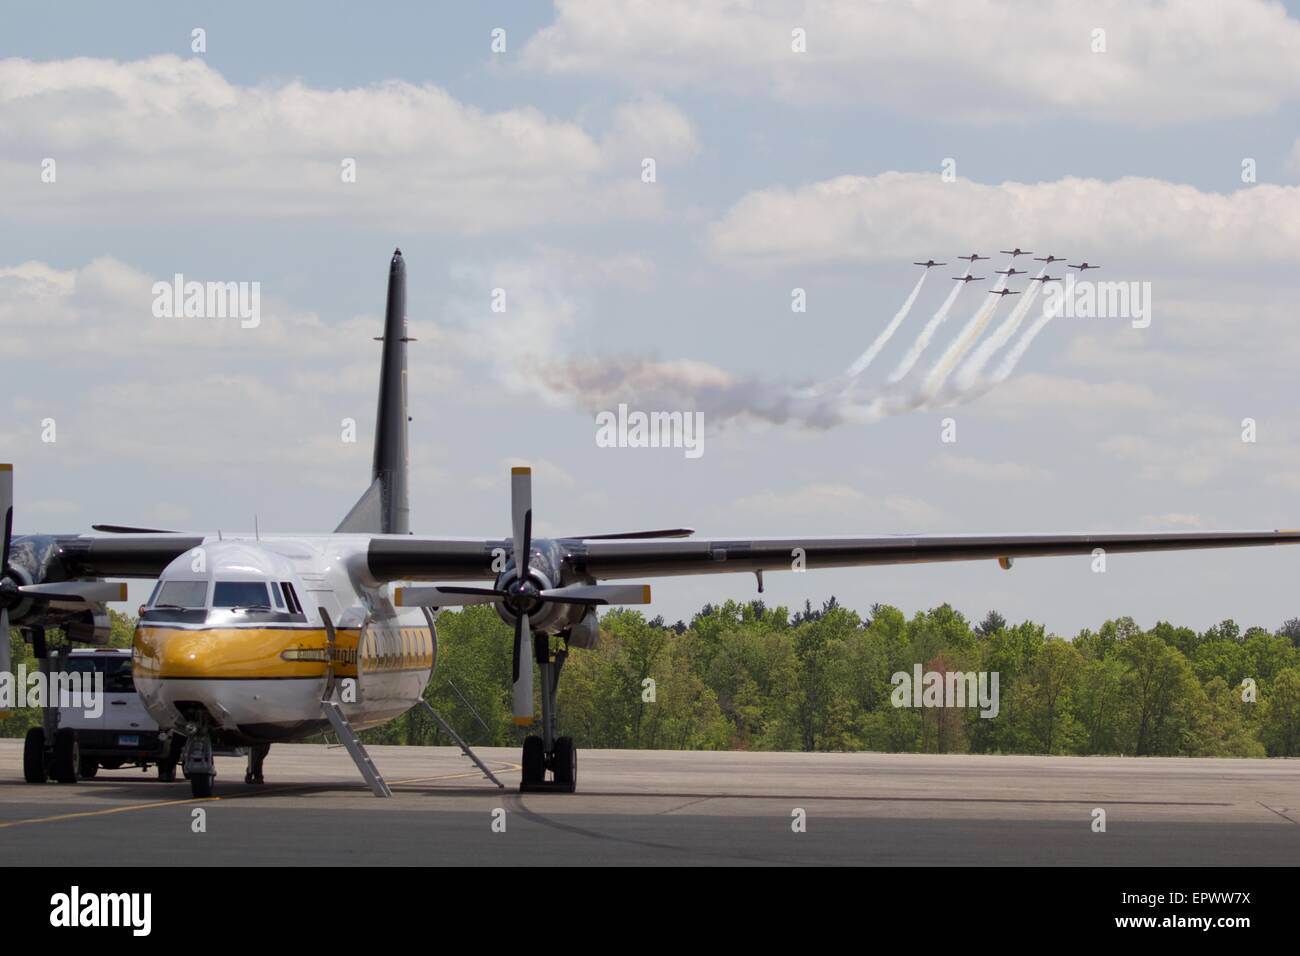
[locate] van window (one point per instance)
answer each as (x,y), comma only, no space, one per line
(182,594)
(116,669)
(239,594)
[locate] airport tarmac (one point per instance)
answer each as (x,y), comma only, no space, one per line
(668,807)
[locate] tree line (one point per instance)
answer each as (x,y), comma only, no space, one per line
(743,676)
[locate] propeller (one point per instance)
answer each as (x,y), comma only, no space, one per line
(521,596)
(57,592)
(7,506)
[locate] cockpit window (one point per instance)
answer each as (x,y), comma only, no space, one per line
(240,594)
(182,594)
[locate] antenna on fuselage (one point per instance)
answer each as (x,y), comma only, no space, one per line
(257,535)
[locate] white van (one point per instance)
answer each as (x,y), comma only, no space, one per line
(123,735)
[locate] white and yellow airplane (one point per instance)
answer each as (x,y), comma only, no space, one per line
(250,640)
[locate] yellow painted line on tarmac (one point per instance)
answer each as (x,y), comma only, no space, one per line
(234,796)
(100,813)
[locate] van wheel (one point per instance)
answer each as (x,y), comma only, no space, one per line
(35,770)
(88,766)
(65,764)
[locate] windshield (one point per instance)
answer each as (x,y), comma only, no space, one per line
(240,594)
(182,594)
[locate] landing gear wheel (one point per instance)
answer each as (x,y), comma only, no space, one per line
(167,765)
(66,762)
(256,757)
(201,784)
(565,764)
(167,771)
(88,766)
(534,770)
(35,769)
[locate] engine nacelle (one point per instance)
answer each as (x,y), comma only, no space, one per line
(35,559)
(586,633)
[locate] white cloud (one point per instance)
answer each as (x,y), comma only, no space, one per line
(179,138)
(977,469)
(897,215)
(838,506)
(979,61)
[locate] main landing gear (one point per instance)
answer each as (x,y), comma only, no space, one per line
(549,753)
(256,755)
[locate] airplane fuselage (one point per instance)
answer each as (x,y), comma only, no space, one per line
(258,672)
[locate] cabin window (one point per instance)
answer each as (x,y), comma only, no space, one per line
(182,594)
(239,594)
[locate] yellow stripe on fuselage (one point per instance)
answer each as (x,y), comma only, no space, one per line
(239,652)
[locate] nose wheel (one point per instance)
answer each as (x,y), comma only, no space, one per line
(548,754)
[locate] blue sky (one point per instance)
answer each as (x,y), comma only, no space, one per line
(521,171)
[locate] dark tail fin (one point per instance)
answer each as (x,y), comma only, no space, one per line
(385,508)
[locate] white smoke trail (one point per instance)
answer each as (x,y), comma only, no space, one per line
(850,374)
(1001,335)
(941,369)
(927,333)
(1022,345)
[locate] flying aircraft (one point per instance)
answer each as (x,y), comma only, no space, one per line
(1048,259)
(1083,266)
(1002,292)
(1017,251)
(969,278)
(929,263)
(973,257)
(1045,279)
(248,640)
(1013,271)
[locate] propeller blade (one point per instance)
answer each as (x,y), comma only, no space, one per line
(88,591)
(628,535)
(523,671)
(129,529)
(599,594)
(6,510)
(521,515)
(445,597)
(6,653)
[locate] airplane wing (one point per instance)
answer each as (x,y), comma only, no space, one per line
(120,555)
(413,558)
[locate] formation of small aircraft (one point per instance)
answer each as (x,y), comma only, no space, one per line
(1011,270)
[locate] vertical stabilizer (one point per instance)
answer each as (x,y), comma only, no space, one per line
(385,508)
